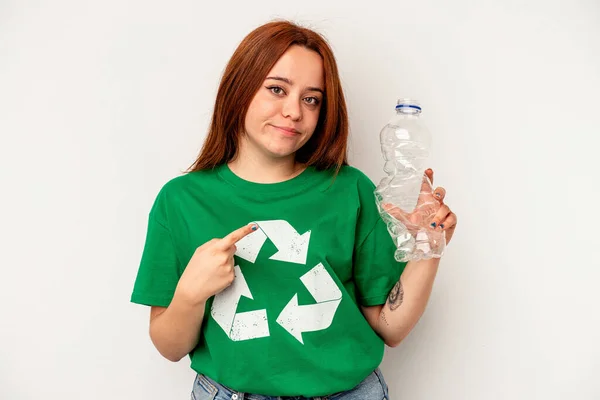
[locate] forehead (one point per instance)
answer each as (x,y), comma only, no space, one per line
(302,66)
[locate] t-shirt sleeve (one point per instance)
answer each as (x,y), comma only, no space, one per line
(159,268)
(376,271)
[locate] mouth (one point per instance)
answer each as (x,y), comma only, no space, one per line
(286,131)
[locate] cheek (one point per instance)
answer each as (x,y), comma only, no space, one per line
(268,109)
(262,107)
(255,117)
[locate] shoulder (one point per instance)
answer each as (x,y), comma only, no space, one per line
(185,182)
(173,190)
(364,190)
(350,174)
(350,181)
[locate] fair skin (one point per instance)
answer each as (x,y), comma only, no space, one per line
(280,120)
(407,300)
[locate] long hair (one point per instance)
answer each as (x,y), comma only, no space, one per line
(248,67)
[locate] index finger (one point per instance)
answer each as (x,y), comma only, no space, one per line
(237,235)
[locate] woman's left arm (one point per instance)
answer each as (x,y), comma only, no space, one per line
(407,300)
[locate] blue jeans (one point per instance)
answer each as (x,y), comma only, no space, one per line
(372,388)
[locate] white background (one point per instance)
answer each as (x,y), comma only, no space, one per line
(102,102)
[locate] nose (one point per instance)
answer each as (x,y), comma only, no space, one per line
(292,109)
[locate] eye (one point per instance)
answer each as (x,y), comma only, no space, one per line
(278,90)
(313,101)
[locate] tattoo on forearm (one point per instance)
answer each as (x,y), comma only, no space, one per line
(396,296)
(382,315)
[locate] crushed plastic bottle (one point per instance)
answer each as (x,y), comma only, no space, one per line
(405,196)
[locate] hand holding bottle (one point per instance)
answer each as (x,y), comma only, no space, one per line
(430,212)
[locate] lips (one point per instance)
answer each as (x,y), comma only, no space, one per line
(286,130)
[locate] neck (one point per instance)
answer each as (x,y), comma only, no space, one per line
(260,168)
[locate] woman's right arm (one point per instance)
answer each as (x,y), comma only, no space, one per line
(175,330)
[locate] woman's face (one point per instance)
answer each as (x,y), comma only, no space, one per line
(284,112)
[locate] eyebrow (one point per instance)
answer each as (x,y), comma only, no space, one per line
(289,82)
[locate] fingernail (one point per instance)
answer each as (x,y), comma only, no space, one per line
(253,227)
(438,195)
(442,226)
(433,224)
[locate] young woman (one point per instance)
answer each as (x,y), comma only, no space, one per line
(268,262)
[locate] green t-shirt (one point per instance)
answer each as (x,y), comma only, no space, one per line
(290,324)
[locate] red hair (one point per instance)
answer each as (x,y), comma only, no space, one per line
(246,71)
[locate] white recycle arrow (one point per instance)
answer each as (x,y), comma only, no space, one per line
(238,326)
(292,247)
(312,317)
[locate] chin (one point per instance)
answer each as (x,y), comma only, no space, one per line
(281,151)
(281,154)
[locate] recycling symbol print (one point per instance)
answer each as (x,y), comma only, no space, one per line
(294,318)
